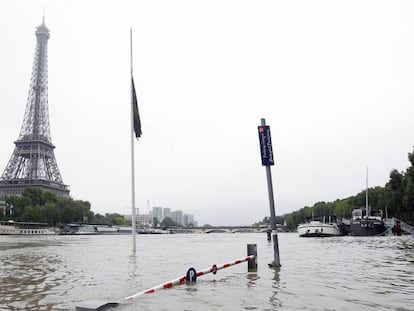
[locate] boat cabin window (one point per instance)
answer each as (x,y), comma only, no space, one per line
(357,214)
(376,213)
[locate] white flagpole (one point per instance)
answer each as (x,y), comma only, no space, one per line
(134,230)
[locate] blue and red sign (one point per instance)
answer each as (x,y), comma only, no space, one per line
(266,149)
(191,276)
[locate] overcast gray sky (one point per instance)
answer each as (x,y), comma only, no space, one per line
(334,80)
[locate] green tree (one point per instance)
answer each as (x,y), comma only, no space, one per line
(52,213)
(111,219)
(343,208)
(34,214)
(98,219)
(395,189)
(408,193)
(291,222)
(42,206)
(168,222)
(120,221)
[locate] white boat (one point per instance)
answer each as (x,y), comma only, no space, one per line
(85,229)
(151,231)
(11,227)
(319,227)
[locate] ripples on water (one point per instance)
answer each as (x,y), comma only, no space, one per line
(343,273)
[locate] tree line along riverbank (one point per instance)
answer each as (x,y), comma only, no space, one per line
(395,199)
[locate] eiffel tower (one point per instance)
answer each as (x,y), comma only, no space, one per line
(33,162)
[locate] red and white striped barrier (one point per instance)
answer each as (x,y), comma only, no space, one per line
(181,280)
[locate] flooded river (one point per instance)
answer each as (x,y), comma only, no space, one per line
(338,273)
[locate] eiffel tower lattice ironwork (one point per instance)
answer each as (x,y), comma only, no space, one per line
(33,162)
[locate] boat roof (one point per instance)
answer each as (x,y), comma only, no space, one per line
(24,222)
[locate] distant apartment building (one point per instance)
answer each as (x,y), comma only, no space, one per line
(178,217)
(190,221)
(157,213)
(161,213)
(167,212)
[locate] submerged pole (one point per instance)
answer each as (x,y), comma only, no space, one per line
(252,264)
(268,160)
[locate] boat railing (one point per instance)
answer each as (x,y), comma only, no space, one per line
(406,227)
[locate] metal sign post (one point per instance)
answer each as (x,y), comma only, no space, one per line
(266,152)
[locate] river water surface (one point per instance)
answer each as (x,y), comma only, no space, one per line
(340,273)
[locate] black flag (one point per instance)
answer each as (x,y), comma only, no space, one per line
(137,121)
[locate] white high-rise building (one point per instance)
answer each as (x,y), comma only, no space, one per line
(178,217)
(189,220)
(161,213)
(167,212)
(157,213)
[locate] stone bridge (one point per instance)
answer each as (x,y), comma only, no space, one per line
(218,229)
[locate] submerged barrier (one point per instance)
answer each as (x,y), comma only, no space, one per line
(189,278)
(182,279)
